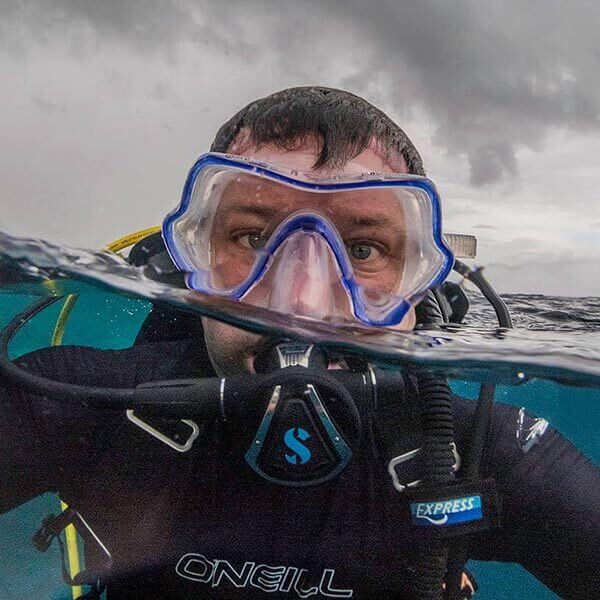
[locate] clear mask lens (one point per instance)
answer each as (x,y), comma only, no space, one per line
(311,245)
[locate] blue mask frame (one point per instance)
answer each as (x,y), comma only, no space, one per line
(198,280)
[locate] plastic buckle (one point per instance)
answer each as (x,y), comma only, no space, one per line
(43,537)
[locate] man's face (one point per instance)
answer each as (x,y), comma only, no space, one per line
(233,350)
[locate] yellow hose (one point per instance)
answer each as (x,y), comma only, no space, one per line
(72,554)
(61,322)
(70,531)
(131,239)
(57,337)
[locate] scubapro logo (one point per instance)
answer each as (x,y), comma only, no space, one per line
(293,439)
(197,567)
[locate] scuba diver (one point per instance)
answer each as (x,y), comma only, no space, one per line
(207,461)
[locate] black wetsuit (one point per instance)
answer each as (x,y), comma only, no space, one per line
(201,524)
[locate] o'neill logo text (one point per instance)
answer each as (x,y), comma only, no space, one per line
(447,512)
(257,575)
(293,439)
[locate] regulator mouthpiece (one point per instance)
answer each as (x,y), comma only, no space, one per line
(310,423)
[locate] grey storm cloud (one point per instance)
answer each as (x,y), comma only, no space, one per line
(492,77)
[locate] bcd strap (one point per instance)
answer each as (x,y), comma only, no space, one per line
(453,511)
(52,527)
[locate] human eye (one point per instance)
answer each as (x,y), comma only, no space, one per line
(249,240)
(364,251)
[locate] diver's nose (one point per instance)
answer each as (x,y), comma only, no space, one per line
(305,299)
(304,279)
(308,283)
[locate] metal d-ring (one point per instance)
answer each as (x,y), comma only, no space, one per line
(162,437)
(409,456)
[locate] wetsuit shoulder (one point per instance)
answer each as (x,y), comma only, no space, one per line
(82,365)
(551,500)
(39,436)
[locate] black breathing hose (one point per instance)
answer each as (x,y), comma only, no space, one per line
(481,418)
(489,293)
(429,564)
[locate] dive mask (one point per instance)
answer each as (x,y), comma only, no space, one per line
(341,248)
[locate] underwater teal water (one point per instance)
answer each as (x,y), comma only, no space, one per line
(25,572)
(107,320)
(557,341)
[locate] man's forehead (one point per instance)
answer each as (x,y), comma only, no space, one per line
(371,159)
(251,189)
(252,194)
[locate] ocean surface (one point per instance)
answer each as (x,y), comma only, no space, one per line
(549,363)
(563,315)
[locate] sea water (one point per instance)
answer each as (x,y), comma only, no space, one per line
(550,365)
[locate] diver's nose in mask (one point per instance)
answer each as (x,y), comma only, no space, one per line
(303,279)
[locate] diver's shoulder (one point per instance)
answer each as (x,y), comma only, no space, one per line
(512,433)
(125,367)
(503,415)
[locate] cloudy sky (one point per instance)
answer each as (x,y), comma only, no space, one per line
(106,104)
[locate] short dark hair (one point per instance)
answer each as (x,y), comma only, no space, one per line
(344,124)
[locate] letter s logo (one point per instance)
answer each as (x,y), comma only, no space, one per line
(292,439)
